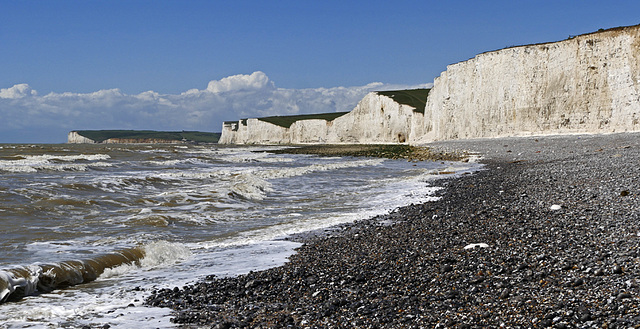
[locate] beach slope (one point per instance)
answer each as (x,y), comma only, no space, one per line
(547,235)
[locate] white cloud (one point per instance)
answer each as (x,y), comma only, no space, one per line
(257,80)
(230,98)
(17,91)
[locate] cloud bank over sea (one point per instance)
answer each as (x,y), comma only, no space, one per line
(30,117)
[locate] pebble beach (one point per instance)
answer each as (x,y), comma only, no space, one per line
(547,235)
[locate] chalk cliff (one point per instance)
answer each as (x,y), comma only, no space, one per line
(253,131)
(588,83)
(74,138)
(141,136)
(585,84)
(376,119)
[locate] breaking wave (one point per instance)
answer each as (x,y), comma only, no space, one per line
(250,186)
(46,162)
(21,281)
(254,185)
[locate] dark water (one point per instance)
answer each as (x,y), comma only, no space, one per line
(123,219)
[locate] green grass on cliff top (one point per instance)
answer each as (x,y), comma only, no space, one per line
(191,136)
(416,98)
(287,120)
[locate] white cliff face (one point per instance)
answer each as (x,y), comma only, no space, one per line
(376,119)
(253,131)
(75,138)
(315,131)
(229,132)
(261,132)
(590,83)
(586,84)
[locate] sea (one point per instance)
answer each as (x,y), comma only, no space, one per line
(90,230)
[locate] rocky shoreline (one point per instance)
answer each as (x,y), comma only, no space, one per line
(390,151)
(555,226)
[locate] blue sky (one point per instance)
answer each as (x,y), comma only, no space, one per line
(189,65)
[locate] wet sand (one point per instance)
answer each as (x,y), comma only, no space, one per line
(555,225)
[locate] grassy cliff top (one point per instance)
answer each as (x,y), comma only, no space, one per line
(416,98)
(287,120)
(191,136)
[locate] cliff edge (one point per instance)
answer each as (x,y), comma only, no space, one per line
(75,138)
(379,118)
(585,84)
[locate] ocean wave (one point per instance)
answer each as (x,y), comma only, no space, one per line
(67,158)
(35,163)
(253,183)
(21,281)
(299,171)
(156,254)
(250,186)
(251,154)
(32,168)
(133,182)
(164,162)
(174,162)
(198,174)
(256,157)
